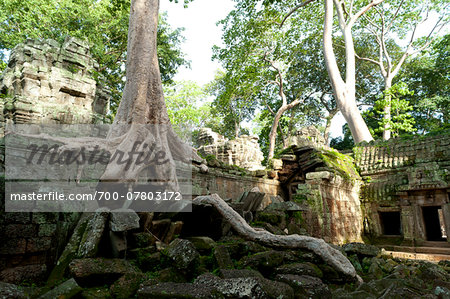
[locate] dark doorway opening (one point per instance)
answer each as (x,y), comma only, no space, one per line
(391,223)
(434,226)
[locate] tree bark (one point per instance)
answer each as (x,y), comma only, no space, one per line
(142,115)
(387,109)
(329,118)
(331,256)
(276,121)
(344,91)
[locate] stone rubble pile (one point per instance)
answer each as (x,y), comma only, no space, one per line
(164,257)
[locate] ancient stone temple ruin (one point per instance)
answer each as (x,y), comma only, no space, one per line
(49,83)
(243,151)
(46,82)
(405,197)
(392,194)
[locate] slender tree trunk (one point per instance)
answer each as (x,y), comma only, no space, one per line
(326,133)
(276,121)
(344,91)
(387,108)
(237,129)
(273,131)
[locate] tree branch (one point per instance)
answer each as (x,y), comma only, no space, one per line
(294,10)
(340,15)
(395,16)
(368,59)
(363,11)
(331,256)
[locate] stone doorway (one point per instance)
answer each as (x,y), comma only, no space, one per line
(391,223)
(434,223)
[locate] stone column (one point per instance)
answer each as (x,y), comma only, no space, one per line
(407,218)
(446,213)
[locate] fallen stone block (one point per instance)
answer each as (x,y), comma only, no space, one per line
(93,234)
(223,257)
(251,200)
(127,286)
(177,290)
(160,228)
(183,254)
(67,289)
(305,286)
(69,253)
(248,287)
(8,290)
(173,232)
(239,273)
(203,244)
(123,220)
(300,269)
(95,293)
(99,271)
(361,249)
(141,240)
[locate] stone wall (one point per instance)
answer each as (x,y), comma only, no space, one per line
(46,82)
(326,183)
(403,177)
(228,183)
(31,242)
(334,212)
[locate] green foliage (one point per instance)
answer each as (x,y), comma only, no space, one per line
(252,38)
(401,120)
(346,142)
(230,107)
(428,76)
(103,23)
(187,107)
(389,31)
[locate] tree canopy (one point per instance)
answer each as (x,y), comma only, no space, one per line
(103,23)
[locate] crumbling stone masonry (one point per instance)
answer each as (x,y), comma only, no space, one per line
(406,193)
(46,82)
(327,185)
(243,151)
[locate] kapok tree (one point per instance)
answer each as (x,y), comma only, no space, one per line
(344,89)
(396,20)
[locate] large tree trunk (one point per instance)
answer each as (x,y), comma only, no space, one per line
(331,256)
(142,114)
(387,108)
(344,91)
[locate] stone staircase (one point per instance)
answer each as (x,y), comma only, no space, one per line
(429,251)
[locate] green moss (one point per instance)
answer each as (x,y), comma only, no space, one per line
(286,151)
(340,163)
(299,218)
(257,223)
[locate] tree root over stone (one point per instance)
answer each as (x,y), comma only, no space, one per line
(330,255)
